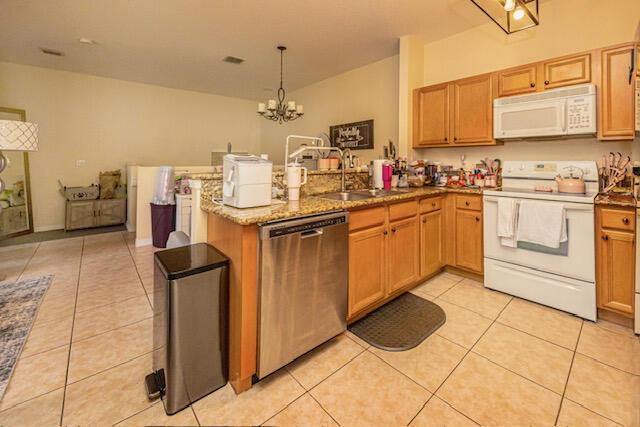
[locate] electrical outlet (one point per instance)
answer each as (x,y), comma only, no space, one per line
(80,163)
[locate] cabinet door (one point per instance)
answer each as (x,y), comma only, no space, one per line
(616,273)
(403,253)
(517,80)
(431,116)
(111,211)
(567,71)
(473,110)
(367,268)
(617,111)
(80,215)
(430,243)
(469,240)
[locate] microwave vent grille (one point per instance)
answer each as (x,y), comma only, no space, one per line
(551,94)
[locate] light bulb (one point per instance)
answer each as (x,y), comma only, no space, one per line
(518,14)
(509,5)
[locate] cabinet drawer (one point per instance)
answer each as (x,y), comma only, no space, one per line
(618,219)
(473,203)
(431,204)
(366,218)
(403,210)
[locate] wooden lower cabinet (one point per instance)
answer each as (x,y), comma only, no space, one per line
(403,254)
(367,267)
(615,264)
(431,254)
(469,240)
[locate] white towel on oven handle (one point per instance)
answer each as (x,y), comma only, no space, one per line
(507,222)
(542,223)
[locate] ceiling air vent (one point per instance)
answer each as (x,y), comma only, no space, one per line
(53,52)
(233,60)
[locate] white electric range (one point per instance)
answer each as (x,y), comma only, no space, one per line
(562,278)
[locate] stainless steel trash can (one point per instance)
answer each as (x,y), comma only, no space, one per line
(190,324)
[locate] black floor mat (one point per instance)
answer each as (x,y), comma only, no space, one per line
(400,324)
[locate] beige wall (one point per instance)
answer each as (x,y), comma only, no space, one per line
(369,92)
(109,123)
(567,26)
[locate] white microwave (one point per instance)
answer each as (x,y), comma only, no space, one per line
(552,113)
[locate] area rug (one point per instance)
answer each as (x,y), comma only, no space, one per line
(400,324)
(19,304)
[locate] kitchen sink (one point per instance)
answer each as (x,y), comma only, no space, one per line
(363,194)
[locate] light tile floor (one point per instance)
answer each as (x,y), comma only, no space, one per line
(498,360)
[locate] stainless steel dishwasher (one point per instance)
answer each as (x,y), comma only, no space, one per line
(303,276)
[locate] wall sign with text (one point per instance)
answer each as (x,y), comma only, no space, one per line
(356,136)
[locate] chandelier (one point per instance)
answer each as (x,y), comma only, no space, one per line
(511,15)
(280,112)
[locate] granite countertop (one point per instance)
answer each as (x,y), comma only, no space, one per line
(315,204)
(616,199)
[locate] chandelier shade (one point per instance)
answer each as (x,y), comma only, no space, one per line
(510,15)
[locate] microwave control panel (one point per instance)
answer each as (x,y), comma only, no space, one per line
(581,115)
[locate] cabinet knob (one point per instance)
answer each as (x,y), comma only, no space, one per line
(467,203)
(393,230)
(605,238)
(625,221)
(532,84)
(477,219)
(385,232)
(445,139)
(433,204)
(455,138)
(424,220)
(546,82)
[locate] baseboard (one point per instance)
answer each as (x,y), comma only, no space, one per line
(143,242)
(130,227)
(48,228)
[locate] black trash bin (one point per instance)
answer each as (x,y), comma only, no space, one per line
(190,325)
(163,222)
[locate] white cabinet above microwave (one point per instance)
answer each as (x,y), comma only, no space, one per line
(552,113)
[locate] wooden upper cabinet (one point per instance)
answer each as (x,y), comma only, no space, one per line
(473,110)
(617,93)
(516,81)
(367,268)
(431,115)
(567,71)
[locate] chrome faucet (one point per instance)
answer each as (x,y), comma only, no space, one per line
(343,154)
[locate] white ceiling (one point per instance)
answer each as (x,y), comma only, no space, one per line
(181,43)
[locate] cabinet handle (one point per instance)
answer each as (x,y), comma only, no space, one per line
(477,219)
(625,221)
(467,203)
(532,84)
(546,82)
(605,238)
(632,65)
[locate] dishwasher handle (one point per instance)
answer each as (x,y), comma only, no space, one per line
(312,233)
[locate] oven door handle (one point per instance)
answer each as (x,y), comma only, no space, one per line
(568,206)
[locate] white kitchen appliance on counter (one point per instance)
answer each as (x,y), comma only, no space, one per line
(552,113)
(246,181)
(563,277)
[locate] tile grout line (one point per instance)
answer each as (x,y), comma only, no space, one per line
(26,264)
(459,363)
(111,330)
(566,383)
(73,321)
(308,391)
(137,271)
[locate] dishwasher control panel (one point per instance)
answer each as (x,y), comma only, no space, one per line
(306,226)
